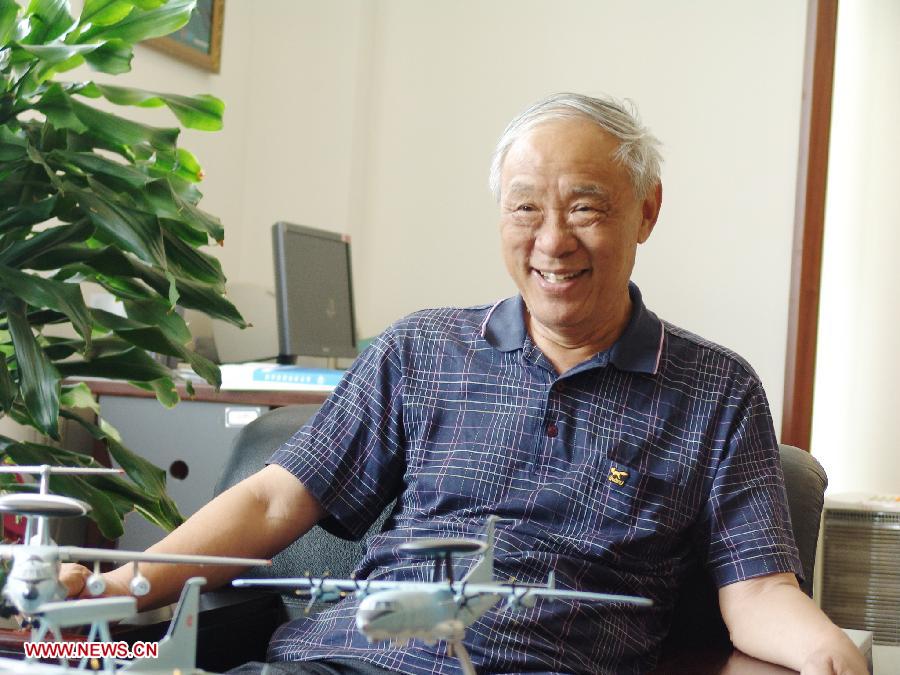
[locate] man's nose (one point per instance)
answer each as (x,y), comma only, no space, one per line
(555,237)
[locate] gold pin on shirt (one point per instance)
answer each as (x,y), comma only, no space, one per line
(616,476)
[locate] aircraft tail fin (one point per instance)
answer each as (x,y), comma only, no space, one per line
(483,570)
(178,649)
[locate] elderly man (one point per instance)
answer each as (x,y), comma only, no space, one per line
(525,409)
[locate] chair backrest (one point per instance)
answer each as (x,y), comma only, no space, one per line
(697,619)
(317,551)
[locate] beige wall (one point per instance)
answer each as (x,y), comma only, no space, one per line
(377,118)
(854,432)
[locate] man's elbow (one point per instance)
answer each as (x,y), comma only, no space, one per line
(737,602)
(281,504)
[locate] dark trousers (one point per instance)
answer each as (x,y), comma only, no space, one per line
(323,667)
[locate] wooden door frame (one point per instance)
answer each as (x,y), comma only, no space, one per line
(809,223)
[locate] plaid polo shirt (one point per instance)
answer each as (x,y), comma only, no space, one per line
(614,475)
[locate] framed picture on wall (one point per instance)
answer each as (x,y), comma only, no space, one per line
(199,42)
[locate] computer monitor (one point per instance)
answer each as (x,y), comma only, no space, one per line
(313,293)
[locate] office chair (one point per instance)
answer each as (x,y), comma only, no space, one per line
(697,620)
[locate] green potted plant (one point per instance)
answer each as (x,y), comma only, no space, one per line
(89,196)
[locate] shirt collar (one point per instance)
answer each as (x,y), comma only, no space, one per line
(638,349)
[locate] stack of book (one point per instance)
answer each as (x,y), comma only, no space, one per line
(273,377)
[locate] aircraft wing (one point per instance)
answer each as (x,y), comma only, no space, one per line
(328,585)
(521,592)
(72,553)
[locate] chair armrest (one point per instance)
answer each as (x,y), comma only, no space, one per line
(241,618)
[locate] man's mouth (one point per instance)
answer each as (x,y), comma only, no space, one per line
(559,277)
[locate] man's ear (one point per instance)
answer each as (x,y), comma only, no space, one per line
(650,212)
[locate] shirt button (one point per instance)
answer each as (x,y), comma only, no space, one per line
(552,430)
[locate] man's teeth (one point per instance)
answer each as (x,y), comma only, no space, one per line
(554,278)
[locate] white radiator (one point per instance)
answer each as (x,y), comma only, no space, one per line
(861,564)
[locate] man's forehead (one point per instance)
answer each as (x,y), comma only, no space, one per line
(582,188)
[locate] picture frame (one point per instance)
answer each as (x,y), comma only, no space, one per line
(199,42)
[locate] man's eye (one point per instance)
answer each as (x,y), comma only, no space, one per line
(526,208)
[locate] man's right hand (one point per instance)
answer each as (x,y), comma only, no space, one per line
(74,577)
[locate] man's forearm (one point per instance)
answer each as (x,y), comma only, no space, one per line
(772,619)
(256,518)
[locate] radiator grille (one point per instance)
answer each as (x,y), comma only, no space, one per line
(861,572)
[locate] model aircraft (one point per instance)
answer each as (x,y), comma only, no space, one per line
(436,610)
(176,651)
(33,580)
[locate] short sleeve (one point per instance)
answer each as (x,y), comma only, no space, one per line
(747,526)
(350,455)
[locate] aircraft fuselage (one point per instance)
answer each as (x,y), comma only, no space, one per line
(428,613)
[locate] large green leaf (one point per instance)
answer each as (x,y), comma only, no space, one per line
(56,104)
(100,346)
(147,337)
(9,12)
(116,496)
(21,253)
(179,166)
(105,12)
(155,339)
(12,145)
(202,112)
(7,386)
(185,232)
(38,378)
(40,292)
(169,204)
(194,295)
(142,25)
(58,52)
(26,215)
(132,364)
(157,312)
(103,510)
(65,112)
(109,261)
(147,476)
(113,57)
(79,396)
(49,20)
(117,129)
(189,262)
(165,391)
(132,230)
(93,163)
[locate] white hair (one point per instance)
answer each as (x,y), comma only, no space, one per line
(638,148)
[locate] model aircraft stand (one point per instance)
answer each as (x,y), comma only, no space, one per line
(54,616)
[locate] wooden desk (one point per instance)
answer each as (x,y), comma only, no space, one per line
(203,392)
(718,661)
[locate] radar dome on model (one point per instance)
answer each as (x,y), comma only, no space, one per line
(440,547)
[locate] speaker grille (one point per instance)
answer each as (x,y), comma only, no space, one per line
(861,572)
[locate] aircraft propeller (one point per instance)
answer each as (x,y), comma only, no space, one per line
(518,597)
(318,592)
(139,584)
(361,591)
(96,584)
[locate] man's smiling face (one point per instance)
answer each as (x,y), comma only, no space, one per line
(570,224)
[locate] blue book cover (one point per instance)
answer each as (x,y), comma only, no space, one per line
(269,376)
